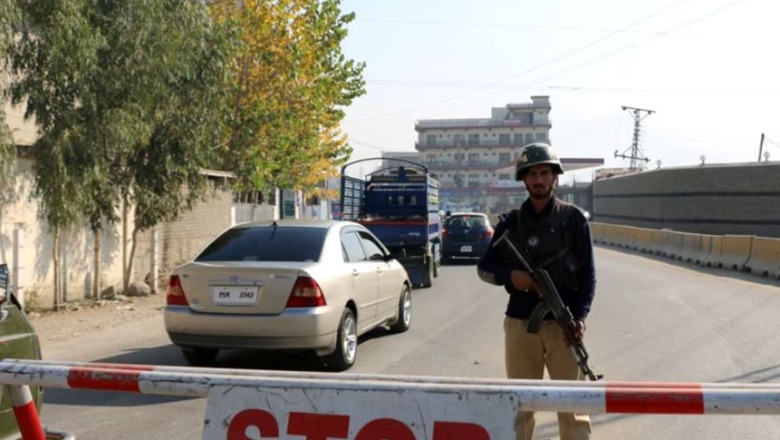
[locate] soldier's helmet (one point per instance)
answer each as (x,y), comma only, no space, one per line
(534,154)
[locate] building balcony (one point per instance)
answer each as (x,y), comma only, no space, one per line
(467,165)
(483,144)
(479,124)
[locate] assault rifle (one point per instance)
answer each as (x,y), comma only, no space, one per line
(551,303)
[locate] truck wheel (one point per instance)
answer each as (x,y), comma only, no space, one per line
(428,281)
(346,343)
(404,312)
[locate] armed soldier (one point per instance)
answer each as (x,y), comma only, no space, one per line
(555,236)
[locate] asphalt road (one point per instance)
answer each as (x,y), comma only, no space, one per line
(652,320)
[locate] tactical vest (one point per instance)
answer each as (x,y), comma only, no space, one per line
(548,242)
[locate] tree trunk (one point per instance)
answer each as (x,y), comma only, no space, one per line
(127,265)
(133,242)
(57,269)
(96,264)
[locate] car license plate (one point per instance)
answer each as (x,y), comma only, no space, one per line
(465,248)
(235,295)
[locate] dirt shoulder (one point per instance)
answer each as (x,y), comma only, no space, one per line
(82,318)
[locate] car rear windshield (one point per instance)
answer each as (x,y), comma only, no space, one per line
(266,243)
(466,221)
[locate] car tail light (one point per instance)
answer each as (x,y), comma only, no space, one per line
(443,232)
(175,295)
(306,293)
(488,234)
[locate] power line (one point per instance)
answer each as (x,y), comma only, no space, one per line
(500,25)
(632,46)
(538,66)
(594,89)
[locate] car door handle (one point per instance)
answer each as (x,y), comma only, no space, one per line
(355,272)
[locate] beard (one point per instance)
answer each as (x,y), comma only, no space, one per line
(540,191)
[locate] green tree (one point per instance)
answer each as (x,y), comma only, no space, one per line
(122,92)
(9,17)
(291,81)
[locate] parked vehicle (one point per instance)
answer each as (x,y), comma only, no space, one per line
(400,205)
(304,285)
(17,341)
(465,235)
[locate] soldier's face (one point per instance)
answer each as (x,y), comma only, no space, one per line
(540,181)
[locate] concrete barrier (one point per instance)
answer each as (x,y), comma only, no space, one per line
(644,240)
(764,257)
(669,243)
(705,248)
(735,251)
(691,247)
(713,257)
(597,232)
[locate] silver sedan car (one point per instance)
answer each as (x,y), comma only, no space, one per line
(288,285)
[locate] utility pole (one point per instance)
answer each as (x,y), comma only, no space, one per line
(761,147)
(636,153)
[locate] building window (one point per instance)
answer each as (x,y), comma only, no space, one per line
(473,157)
(503,158)
(460,157)
(503,139)
(474,139)
(541,137)
(458,140)
(529,138)
(518,139)
(504,177)
(430,140)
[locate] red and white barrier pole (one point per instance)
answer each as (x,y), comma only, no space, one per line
(558,396)
(90,366)
(25,412)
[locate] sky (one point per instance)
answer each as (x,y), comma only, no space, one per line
(708,69)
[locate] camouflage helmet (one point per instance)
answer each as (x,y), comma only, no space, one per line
(534,154)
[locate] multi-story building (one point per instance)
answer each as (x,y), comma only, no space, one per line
(474,157)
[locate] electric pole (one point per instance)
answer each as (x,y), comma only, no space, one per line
(636,153)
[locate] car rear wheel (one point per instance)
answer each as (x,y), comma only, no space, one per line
(346,343)
(200,357)
(404,312)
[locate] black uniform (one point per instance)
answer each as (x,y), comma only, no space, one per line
(556,239)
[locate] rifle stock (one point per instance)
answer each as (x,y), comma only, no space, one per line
(550,303)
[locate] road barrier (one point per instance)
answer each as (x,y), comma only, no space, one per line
(370,407)
(764,257)
(691,247)
(735,251)
(759,255)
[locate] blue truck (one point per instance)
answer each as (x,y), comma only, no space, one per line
(400,205)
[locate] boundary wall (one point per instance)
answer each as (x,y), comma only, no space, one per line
(739,199)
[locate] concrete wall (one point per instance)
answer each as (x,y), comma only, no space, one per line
(180,240)
(709,199)
(35,271)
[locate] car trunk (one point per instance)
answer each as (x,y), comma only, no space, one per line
(239,287)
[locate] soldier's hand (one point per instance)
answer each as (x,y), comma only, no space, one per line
(579,331)
(521,280)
